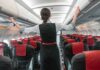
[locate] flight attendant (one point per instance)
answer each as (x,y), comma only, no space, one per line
(49,53)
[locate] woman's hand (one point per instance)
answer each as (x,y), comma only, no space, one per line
(12,20)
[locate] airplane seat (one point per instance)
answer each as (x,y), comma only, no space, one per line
(77,39)
(36,37)
(88,60)
(31,38)
(23,55)
(5,63)
(25,41)
(39,40)
(97,46)
(68,41)
(71,37)
(36,45)
(63,39)
(13,42)
(90,42)
(1,49)
(81,38)
(85,44)
(73,49)
(5,50)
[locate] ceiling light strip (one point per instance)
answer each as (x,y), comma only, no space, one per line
(50,5)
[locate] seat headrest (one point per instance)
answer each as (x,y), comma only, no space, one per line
(20,50)
(92,60)
(25,41)
(31,39)
(13,42)
(65,37)
(77,47)
(97,38)
(90,41)
(39,40)
(33,43)
(70,40)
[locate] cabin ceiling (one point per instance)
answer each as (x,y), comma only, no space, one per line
(59,8)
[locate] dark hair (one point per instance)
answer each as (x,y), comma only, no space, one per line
(45,14)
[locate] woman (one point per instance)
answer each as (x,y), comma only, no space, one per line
(49,53)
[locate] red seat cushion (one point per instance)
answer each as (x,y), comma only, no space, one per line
(92,60)
(77,47)
(21,50)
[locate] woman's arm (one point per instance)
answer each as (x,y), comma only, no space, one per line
(32,29)
(66,27)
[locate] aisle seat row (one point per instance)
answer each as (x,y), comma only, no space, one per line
(22,51)
(89,60)
(79,53)
(76,49)
(90,41)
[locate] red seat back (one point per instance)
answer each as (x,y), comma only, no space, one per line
(13,42)
(31,39)
(77,47)
(65,37)
(81,38)
(70,40)
(97,37)
(33,43)
(92,60)
(25,41)
(90,41)
(20,50)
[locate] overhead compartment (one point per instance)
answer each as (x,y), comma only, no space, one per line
(91,12)
(9,6)
(27,15)
(81,4)
(13,8)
